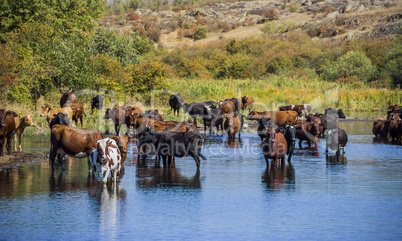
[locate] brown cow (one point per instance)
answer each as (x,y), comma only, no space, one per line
(49,112)
(20,124)
(230,105)
(67,99)
(308,131)
(274,146)
(300,109)
(379,128)
(118,116)
(72,141)
(232,125)
(132,114)
(156,125)
(393,127)
(7,127)
(280,118)
(247,103)
(78,112)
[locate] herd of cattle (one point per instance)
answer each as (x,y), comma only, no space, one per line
(391,128)
(278,131)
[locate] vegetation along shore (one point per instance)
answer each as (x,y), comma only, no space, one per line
(326,53)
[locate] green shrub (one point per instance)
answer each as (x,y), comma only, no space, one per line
(393,63)
(353,63)
(200,33)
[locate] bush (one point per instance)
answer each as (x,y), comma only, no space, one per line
(148,76)
(353,63)
(132,16)
(393,63)
(200,33)
(271,14)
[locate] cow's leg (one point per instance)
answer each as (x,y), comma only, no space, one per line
(326,145)
(15,141)
(19,135)
(300,144)
(164,161)
(196,159)
(266,160)
(81,120)
(60,160)
(276,159)
(9,144)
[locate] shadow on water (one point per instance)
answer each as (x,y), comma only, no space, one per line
(337,159)
(384,140)
(279,177)
(166,177)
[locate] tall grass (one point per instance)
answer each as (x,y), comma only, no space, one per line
(268,93)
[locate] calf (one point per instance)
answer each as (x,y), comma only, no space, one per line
(153,114)
(336,140)
(379,128)
(176,102)
(21,123)
(233,125)
(118,116)
(180,144)
(78,112)
(49,112)
(67,99)
(280,118)
(7,127)
(214,119)
(97,103)
(72,141)
(59,118)
(105,160)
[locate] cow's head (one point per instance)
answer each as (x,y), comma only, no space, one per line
(244,99)
(2,117)
(28,121)
(341,114)
(253,115)
(45,110)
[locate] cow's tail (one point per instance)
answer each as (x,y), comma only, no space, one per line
(202,156)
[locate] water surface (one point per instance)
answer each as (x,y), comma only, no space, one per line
(232,197)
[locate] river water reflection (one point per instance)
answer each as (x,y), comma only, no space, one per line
(233,196)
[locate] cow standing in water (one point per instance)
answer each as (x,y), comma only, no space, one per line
(105,160)
(7,127)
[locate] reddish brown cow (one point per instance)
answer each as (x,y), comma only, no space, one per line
(7,127)
(232,125)
(247,103)
(378,128)
(78,112)
(49,112)
(280,118)
(118,116)
(156,125)
(274,146)
(227,106)
(67,99)
(72,141)
(132,114)
(308,131)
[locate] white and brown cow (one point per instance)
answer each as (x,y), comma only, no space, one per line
(105,159)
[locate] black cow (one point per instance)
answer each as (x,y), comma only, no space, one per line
(263,122)
(330,119)
(59,118)
(336,140)
(196,109)
(214,119)
(97,103)
(290,136)
(176,102)
(180,144)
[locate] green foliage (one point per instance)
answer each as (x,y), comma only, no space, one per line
(111,43)
(200,33)
(353,63)
(393,63)
(64,16)
(147,77)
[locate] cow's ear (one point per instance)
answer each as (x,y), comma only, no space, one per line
(116,138)
(9,112)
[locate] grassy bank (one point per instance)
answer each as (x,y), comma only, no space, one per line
(268,93)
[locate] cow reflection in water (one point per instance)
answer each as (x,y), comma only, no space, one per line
(279,177)
(166,177)
(336,159)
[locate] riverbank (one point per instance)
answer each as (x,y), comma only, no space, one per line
(17,159)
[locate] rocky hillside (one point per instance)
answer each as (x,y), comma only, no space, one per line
(318,18)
